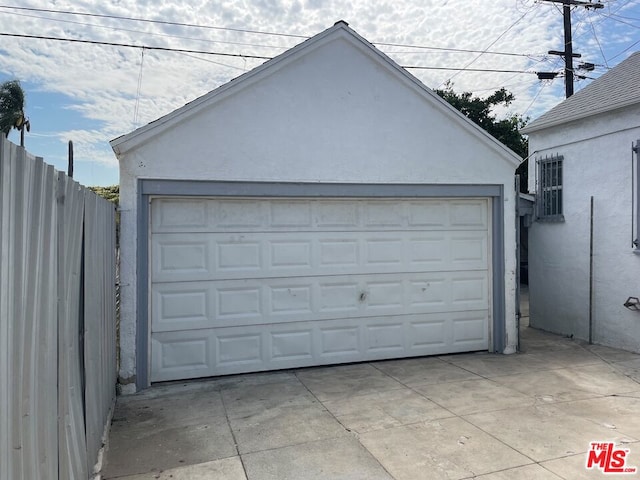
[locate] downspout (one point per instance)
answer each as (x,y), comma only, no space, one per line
(591,274)
(634,201)
(518,311)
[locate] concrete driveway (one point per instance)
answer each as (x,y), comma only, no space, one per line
(526,416)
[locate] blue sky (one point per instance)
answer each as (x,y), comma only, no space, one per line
(93,93)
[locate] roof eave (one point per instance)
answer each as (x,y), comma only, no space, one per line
(543,125)
(129,141)
(501,147)
(121,145)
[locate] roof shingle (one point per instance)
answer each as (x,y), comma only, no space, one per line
(619,87)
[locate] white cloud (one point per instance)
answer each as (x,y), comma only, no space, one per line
(102,81)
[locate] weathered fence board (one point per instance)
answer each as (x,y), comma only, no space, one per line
(70,403)
(99,315)
(57,320)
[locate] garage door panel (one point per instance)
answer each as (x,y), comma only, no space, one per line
(292,345)
(430,214)
(182,215)
(183,258)
(288,254)
(340,341)
(245,350)
(265,215)
(241,285)
(386,338)
(338,296)
(271,347)
(384,251)
(235,214)
(471,214)
(341,253)
(467,250)
(469,329)
(337,214)
(429,294)
(384,214)
(429,333)
(182,305)
(233,256)
(185,354)
(291,299)
(201,256)
(453,332)
(290,213)
(241,304)
(385,295)
(467,291)
(428,252)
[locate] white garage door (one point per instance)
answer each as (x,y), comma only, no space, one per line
(243,285)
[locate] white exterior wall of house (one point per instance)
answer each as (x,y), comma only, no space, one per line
(335,115)
(597,162)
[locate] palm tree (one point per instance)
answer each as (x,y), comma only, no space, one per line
(12,109)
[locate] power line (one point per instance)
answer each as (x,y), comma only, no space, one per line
(155,34)
(466,69)
(620,6)
(616,19)
(623,17)
(567,53)
(162,22)
(612,14)
(139,89)
(544,84)
(212,61)
(159,35)
(490,45)
(602,16)
(595,35)
(238,55)
(505,84)
(147,20)
(458,50)
(625,50)
(130,45)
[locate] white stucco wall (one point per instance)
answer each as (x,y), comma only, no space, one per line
(597,162)
(336,115)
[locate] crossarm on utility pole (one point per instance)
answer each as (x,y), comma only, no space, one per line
(568,43)
(579,3)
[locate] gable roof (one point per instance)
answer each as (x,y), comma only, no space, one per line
(618,88)
(132,140)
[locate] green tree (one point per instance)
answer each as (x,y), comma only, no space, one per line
(480,111)
(111,193)
(12,105)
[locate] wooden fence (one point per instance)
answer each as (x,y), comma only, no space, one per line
(57,320)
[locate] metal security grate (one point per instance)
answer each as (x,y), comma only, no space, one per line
(550,188)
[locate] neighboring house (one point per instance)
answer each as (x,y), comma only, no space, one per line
(325,207)
(580,149)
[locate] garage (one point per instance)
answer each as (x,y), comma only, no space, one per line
(248,285)
(325,207)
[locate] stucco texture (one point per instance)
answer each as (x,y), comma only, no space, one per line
(598,162)
(334,111)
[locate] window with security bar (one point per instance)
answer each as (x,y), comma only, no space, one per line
(550,188)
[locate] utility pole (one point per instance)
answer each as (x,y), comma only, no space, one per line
(567,53)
